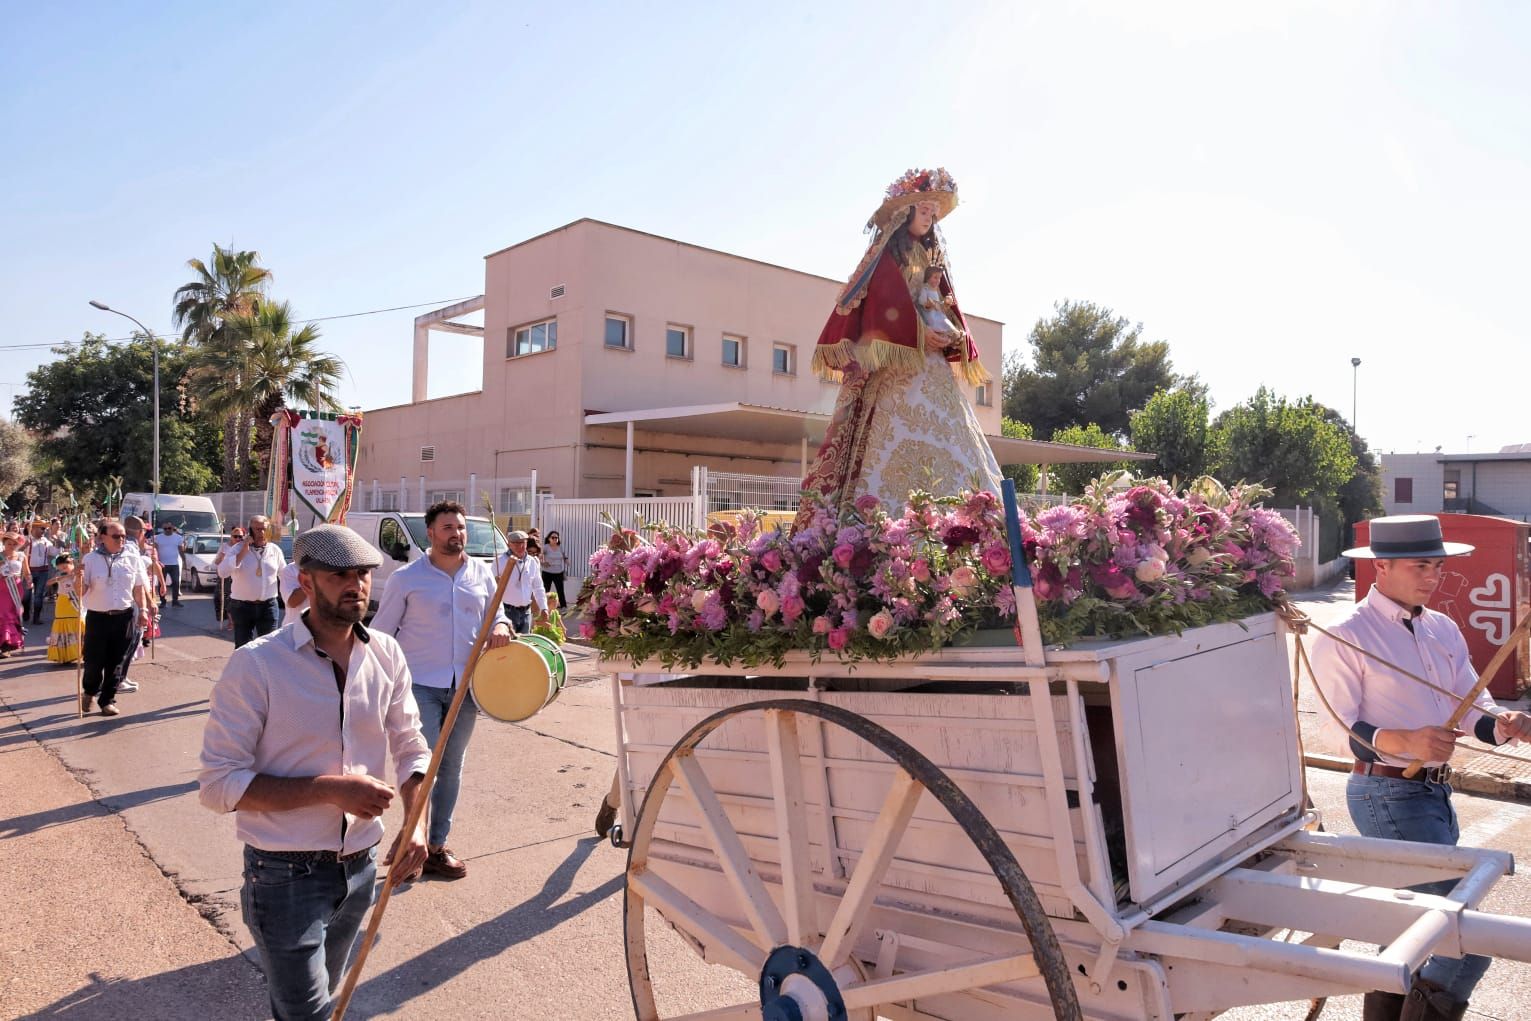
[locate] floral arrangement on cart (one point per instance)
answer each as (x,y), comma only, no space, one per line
(1131,557)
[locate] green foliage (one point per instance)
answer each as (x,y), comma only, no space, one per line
(1024,475)
(1075,478)
(17,458)
(1361,497)
(1289,446)
(1173,425)
(1088,365)
(93,407)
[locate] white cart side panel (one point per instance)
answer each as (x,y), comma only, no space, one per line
(1208,748)
(987,743)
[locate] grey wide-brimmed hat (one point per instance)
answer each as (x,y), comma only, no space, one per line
(516,536)
(334,548)
(1408,537)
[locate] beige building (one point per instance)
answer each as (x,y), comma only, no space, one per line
(614,362)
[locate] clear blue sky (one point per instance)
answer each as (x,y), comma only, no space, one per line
(1273,188)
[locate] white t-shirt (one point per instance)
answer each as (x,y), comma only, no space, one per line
(169,547)
(286,585)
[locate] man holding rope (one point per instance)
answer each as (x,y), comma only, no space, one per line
(308,793)
(1391,720)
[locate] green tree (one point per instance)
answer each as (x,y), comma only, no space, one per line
(231,285)
(1088,365)
(18,465)
(1024,475)
(1173,425)
(276,365)
(1073,478)
(93,409)
(1287,445)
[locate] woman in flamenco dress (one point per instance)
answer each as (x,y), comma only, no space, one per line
(900,422)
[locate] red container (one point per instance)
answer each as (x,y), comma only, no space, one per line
(1486,592)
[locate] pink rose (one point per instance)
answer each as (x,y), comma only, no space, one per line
(586,629)
(880,624)
(771,561)
(636,574)
(792,608)
(920,570)
(768,601)
(1150,570)
(843,553)
(867,503)
(838,638)
(963,579)
(996,559)
(821,625)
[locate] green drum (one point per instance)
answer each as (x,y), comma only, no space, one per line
(516,681)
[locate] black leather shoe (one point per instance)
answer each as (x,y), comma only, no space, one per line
(1427,1001)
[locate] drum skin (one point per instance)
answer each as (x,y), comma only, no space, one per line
(516,681)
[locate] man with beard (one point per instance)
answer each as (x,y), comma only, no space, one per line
(308,794)
(435,606)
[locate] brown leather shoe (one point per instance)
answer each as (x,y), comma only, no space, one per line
(86,698)
(442,862)
(110,710)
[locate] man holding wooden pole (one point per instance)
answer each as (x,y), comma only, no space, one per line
(299,735)
(1402,732)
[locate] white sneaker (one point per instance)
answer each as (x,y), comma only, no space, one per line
(127,686)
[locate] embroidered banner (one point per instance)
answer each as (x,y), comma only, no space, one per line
(313,455)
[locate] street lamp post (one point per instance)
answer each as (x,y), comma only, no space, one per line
(155,342)
(1355,378)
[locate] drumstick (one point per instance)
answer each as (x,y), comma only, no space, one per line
(1487,675)
(423,794)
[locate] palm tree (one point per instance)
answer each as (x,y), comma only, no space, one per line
(234,286)
(275,365)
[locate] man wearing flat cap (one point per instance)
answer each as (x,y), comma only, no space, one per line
(524,589)
(300,733)
(1391,720)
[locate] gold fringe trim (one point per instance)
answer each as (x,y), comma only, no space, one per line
(829,360)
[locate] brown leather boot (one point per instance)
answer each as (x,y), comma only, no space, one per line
(1382,1007)
(442,862)
(1427,1001)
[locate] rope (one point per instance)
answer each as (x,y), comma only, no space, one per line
(1300,622)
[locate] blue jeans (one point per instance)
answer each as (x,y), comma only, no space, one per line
(253,618)
(1419,811)
(173,582)
(39,593)
(520,618)
(434,703)
(304,917)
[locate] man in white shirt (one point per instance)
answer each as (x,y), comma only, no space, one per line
(39,556)
(308,794)
(253,569)
(1391,720)
(112,592)
(435,607)
(170,542)
(525,585)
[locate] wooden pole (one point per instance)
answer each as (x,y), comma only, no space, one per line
(1027,629)
(423,794)
(79,658)
(1494,664)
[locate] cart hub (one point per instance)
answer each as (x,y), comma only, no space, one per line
(795,986)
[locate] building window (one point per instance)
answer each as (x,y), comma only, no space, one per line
(385,500)
(1451,489)
(784,359)
(981,396)
(532,338)
(677,341)
(438,495)
(619,331)
(733,351)
(1403,490)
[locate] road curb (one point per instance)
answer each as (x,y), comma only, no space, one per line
(1466,781)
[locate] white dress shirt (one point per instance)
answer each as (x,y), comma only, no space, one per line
(1362,689)
(277,711)
(286,585)
(254,579)
(525,585)
(111,578)
(436,616)
(42,553)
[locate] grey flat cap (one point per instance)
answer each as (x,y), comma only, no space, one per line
(516,536)
(334,548)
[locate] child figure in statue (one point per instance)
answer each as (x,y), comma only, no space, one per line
(898,342)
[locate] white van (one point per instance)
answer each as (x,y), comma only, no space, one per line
(193,515)
(401,538)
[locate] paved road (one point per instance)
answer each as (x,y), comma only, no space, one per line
(121,892)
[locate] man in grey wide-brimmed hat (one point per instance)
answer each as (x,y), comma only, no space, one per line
(309,794)
(1390,720)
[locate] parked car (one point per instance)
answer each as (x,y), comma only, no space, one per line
(401,538)
(197,570)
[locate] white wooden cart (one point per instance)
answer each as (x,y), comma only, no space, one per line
(1120,833)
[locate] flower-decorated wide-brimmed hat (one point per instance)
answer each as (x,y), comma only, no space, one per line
(913,187)
(1407,537)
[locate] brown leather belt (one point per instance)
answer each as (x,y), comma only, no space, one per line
(1430,774)
(319,856)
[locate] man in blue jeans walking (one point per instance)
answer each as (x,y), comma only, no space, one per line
(1391,720)
(308,794)
(435,606)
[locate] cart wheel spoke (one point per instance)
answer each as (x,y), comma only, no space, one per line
(763,916)
(850,917)
(791,826)
(956,978)
(720,938)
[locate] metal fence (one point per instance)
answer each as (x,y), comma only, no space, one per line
(736,490)
(584,526)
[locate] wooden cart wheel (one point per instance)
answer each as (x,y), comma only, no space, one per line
(804,973)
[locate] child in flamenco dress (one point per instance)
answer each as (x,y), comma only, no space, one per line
(68,625)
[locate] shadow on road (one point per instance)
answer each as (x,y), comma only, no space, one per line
(51,727)
(232,983)
(22,825)
(389,990)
